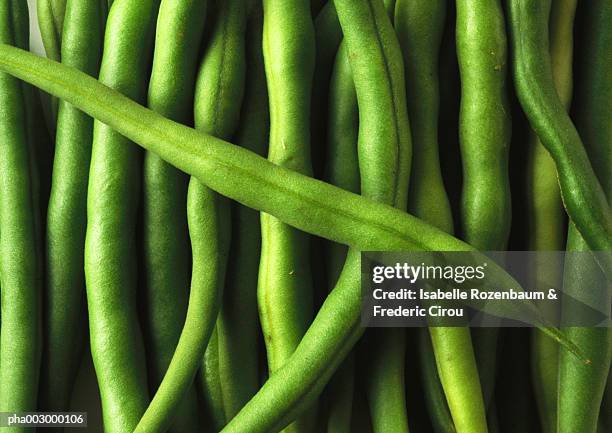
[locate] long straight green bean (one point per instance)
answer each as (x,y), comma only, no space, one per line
(237,327)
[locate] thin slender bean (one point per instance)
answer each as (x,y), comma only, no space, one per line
(167,255)
(419,25)
(547,228)
(114,188)
(437,406)
(19,266)
(485,207)
(582,194)
(342,170)
(237,326)
(48,23)
(64,308)
(285,288)
(219,93)
(581,387)
(391,153)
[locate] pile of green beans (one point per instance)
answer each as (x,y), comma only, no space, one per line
(206,286)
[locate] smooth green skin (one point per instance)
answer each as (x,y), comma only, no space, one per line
(237,327)
(435,399)
(484,123)
(112,205)
(64,296)
(167,253)
(285,287)
(218,99)
(342,167)
(20,337)
(581,387)
(457,369)
(384,150)
(342,170)
(484,136)
(419,25)
(305,203)
(582,194)
(546,214)
(51,21)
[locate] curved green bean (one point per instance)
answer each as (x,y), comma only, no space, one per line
(20,328)
(419,25)
(66,216)
(484,136)
(218,98)
(342,170)
(166,246)
(547,228)
(285,288)
(581,387)
(237,326)
(51,23)
(582,194)
(113,195)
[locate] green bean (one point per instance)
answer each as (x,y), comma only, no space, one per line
(481,49)
(484,136)
(19,266)
(419,26)
(285,288)
(582,194)
(219,92)
(385,386)
(51,22)
(457,369)
(237,325)
(581,387)
(66,216)
(342,167)
(435,400)
(546,211)
(113,192)
(165,235)
(303,202)
(342,170)
(375,157)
